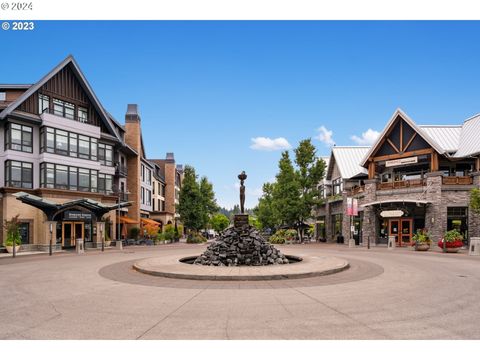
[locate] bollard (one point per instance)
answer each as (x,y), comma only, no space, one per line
(79,246)
(474,248)
(391,242)
(119,245)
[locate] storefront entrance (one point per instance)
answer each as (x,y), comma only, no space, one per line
(71,231)
(402,229)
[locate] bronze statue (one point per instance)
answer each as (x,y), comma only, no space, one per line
(242,177)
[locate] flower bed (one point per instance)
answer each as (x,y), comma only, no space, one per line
(450,244)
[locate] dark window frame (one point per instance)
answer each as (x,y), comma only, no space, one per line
(8,137)
(8,175)
(71,170)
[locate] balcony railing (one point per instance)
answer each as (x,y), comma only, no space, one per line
(356,190)
(402,184)
(457,180)
(121,170)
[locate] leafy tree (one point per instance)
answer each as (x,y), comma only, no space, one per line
(310,171)
(265,210)
(475,200)
(286,192)
(219,222)
(191,202)
(209,202)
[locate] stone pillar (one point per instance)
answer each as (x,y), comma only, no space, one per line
(436,213)
(346,221)
(370,219)
(100,232)
(45,245)
(474,218)
(328,223)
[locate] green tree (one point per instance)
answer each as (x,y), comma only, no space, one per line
(286,192)
(209,202)
(191,202)
(219,222)
(310,171)
(475,200)
(265,210)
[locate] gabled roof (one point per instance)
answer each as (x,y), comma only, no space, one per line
(347,159)
(415,127)
(469,143)
(447,136)
(15,86)
(83,81)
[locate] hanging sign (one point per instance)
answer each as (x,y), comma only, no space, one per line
(391,213)
(404,161)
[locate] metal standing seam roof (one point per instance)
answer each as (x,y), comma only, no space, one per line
(469,143)
(348,159)
(447,136)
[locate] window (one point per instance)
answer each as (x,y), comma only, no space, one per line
(163,190)
(149,198)
(24,229)
(18,174)
(337,186)
(105,154)
(61,142)
(337,224)
(64,109)
(457,218)
(162,205)
(142,196)
(73,146)
(56,176)
(82,115)
(93,149)
(83,147)
(19,137)
(43,103)
(3,96)
(105,183)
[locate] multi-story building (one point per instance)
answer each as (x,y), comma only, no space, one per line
(170,178)
(58,147)
(414,177)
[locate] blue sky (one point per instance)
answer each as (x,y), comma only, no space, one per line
(206,89)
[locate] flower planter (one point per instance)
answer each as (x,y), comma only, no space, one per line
(10,249)
(422,247)
(452,249)
(108,243)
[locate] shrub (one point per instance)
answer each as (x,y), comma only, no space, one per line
(134,233)
(283,235)
(196,238)
(13,231)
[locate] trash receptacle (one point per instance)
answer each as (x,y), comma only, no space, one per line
(340,239)
(474,248)
(391,242)
(79,246)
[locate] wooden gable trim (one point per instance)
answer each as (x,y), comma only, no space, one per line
(405,154)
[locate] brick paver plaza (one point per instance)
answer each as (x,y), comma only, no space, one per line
(396,294)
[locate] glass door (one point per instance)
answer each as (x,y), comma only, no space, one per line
(393,229)
(67,228)
(406,235)
(78,231)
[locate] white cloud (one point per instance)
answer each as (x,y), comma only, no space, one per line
(368,137)
(267,144)
(325,136)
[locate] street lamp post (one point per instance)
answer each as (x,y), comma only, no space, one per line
(50,245)
(103,238)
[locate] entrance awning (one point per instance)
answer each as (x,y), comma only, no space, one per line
(403,201)
(146,221)
(127,220)
(51,209)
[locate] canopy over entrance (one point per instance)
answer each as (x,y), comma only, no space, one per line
(150,222)
(51,209)
(403,201)
(126,220)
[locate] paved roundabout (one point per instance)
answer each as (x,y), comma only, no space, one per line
(384,294)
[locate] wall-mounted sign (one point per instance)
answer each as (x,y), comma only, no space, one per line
(404,161)
(76,215)
(352,206)
(391,213)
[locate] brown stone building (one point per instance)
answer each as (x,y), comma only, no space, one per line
(414,177)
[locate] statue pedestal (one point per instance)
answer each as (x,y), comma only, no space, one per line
(240,220)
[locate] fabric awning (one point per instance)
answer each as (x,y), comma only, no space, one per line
(150,222)
(127,220)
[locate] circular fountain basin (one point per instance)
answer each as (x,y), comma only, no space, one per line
(183,268)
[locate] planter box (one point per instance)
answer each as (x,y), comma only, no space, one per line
(451,250)
(10,249)
(422,247)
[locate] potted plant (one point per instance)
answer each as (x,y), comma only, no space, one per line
(13,234)
(453,241)
(421,240)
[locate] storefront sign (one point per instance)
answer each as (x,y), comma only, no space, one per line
(391,213)
(352,206)
(405,161)
(76,215)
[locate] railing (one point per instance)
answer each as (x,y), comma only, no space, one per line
(123,197)
(457,180)
(121,170)
(402,184)
(73,117)
(356,190)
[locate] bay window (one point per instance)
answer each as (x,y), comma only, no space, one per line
(18,174)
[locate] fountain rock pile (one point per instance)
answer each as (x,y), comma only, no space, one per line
(242,245)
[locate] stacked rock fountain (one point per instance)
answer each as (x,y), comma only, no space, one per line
(241,244)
